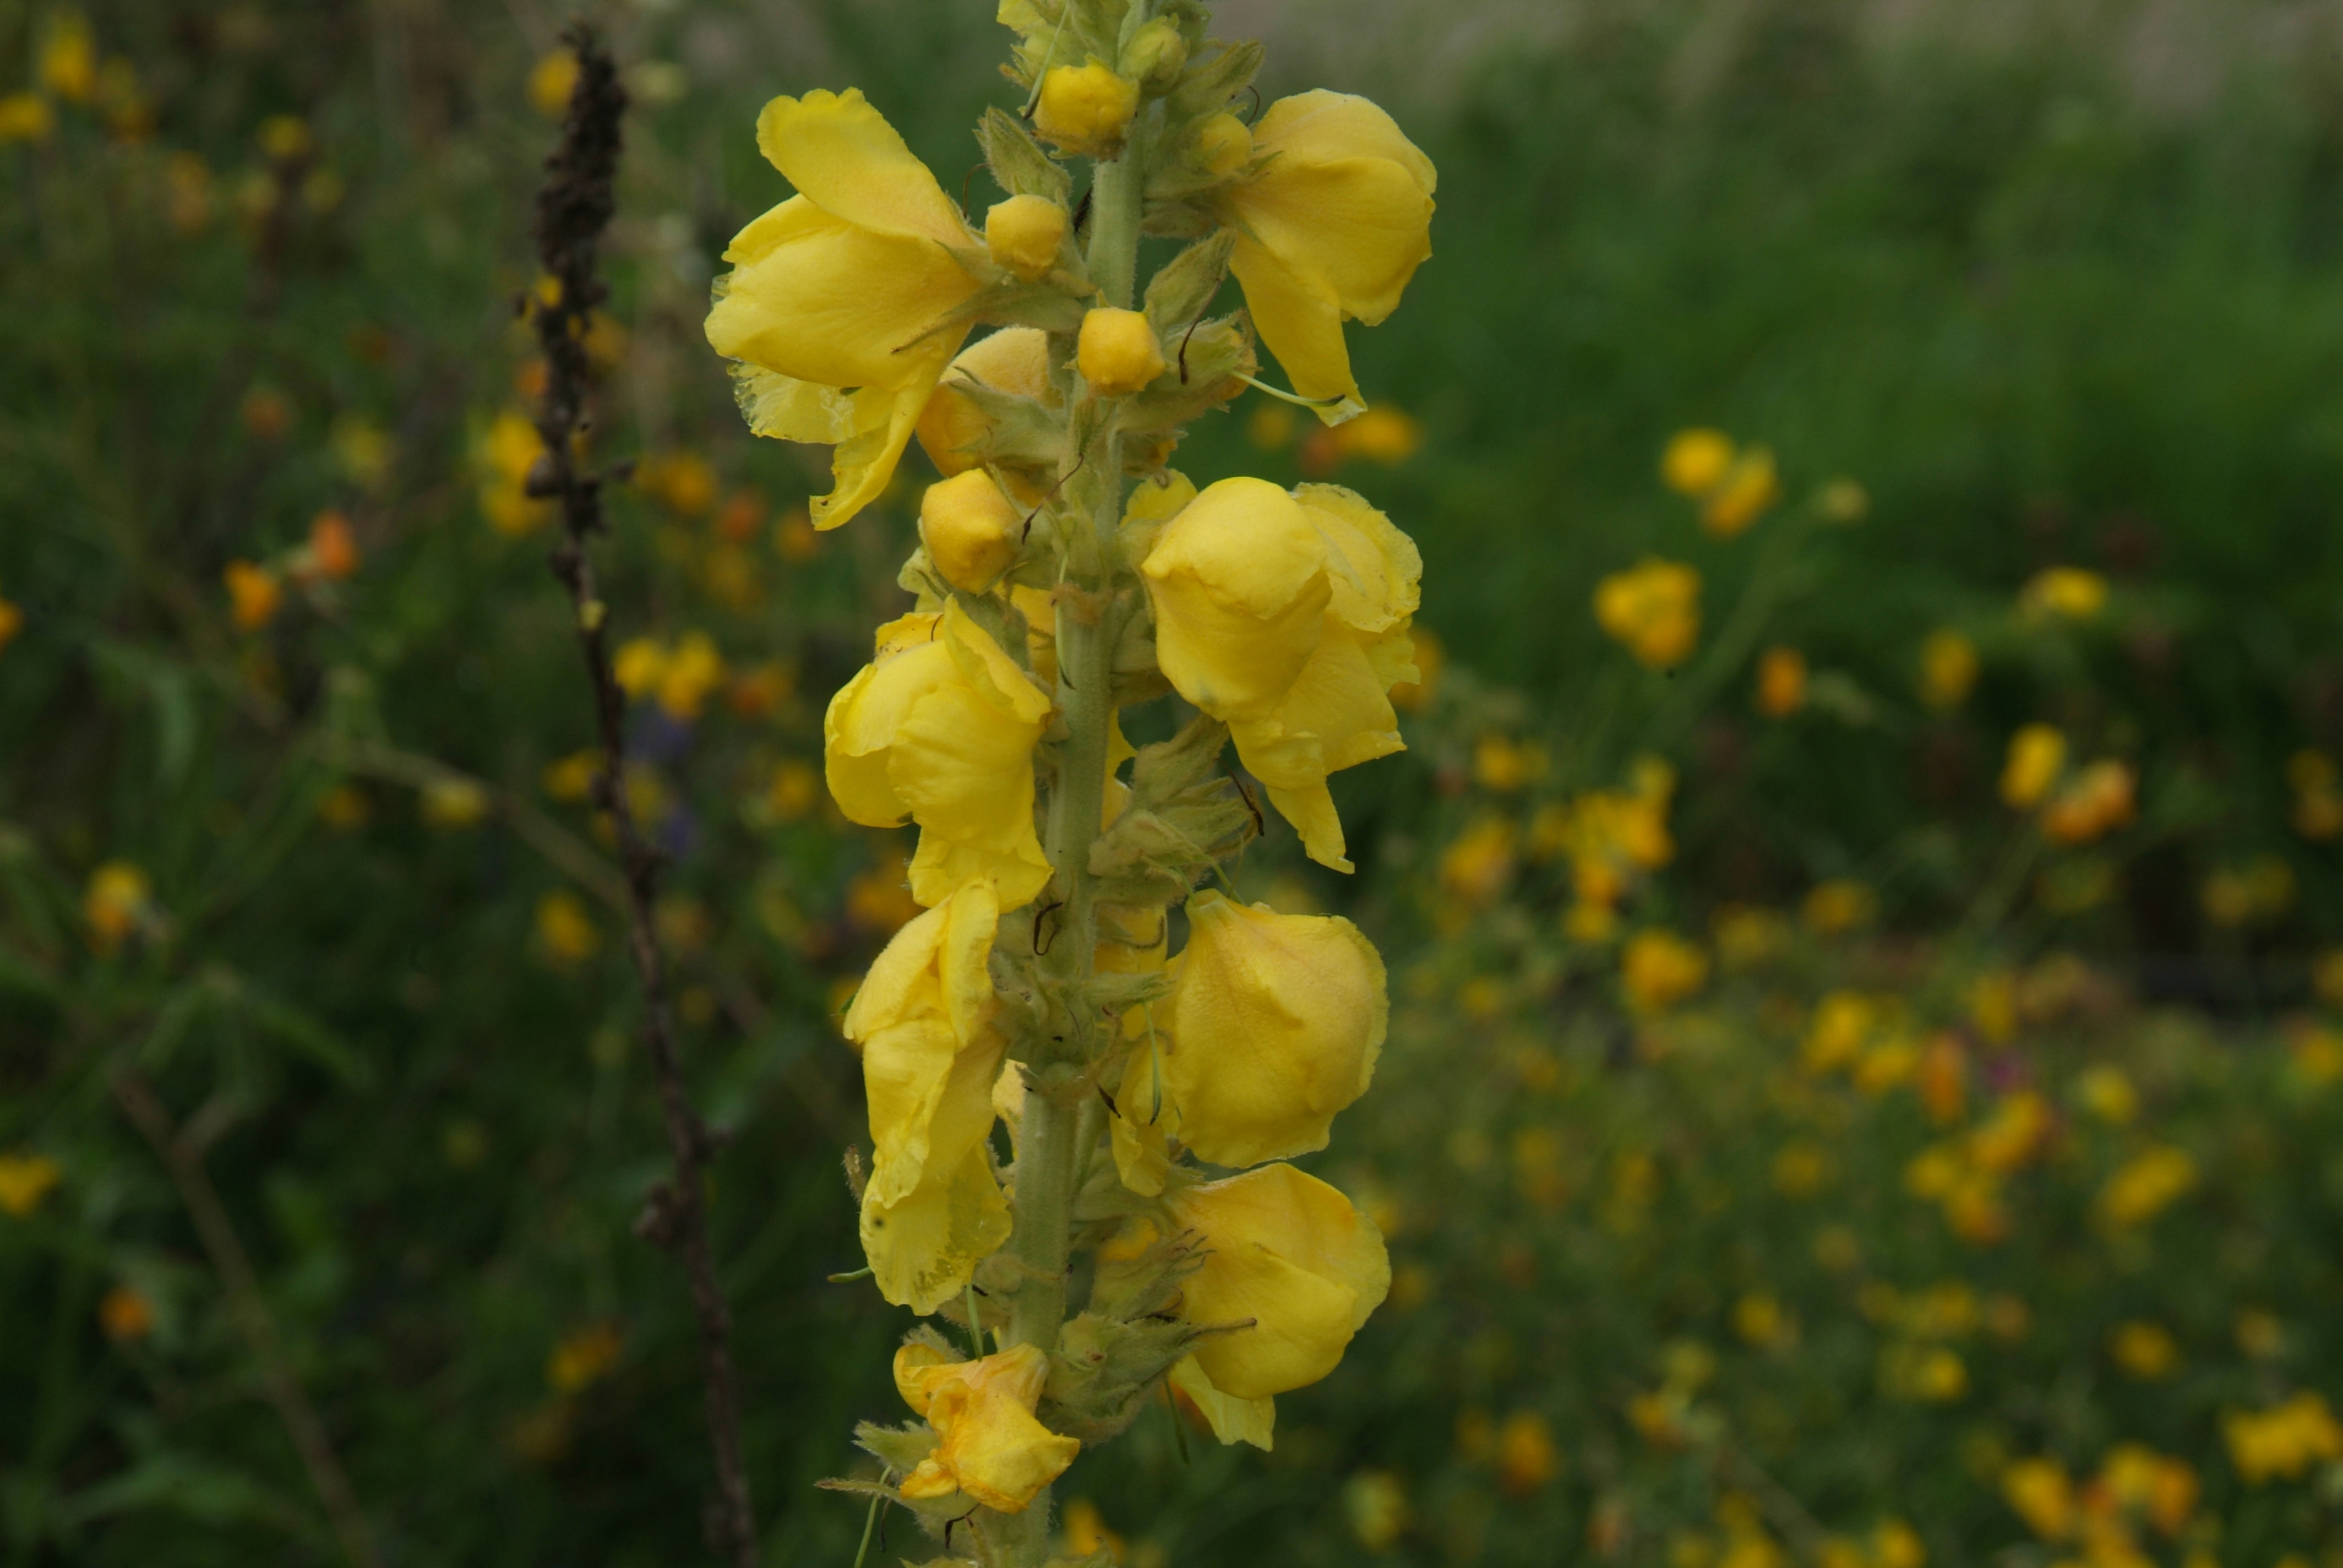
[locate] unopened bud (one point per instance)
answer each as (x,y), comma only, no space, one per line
(1223,144)
(1156,54)
(1117,352)
(970,528)
(1023,234)
(1085,109)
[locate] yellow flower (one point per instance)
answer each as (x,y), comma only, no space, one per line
(1748,490)
(1383,435)
(1331,229)
(1287,616)
(2285,1440)
(551,81)
(1653,609)
(834,294)
(2068,593)
(1840,905)
(687,676)
(505,452)
(1527,1456)
(25,117)
(2144,1351)
(254,593)
(2106,1094)
(568,932)
(1085,109)
(1659,968)
(922,1022)
(1948,668)
(1695,461)
(583,1358)
(941,728)
(970,528)
(118,901)
(68,58)
(1474,869)
(25,1181)
(453,802)
(1375,1502)
(2037,755)
(989,1445)
(2096,801)
(1252,1420)
(1271,1027)
(1022,235)
(1117,352)
(1781,682)
(126,1315)
(1292,1254)
(2145,1184)
(2039,1489)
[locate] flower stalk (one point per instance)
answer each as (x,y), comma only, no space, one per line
(1067,578)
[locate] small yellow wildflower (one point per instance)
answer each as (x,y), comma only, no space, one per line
(1840,906)
(25,117)
(565,930)
(2144,1185)
(1695,461)
(254,593)
(2066,593)
(1781,682)
(1750,489)
(1948,668)
(118,901)
(126,1315)
(2144,1350)
(796,790)
(692,673)
(2284,1440)
(1382,435)
(25,1181)
(1658,970)
(583,1358)
(2039,1489)
(1653,609)
(1503,765)
(2106,1094)
(363,447)
(12,621)
(67,63)
(1758,1319)
(505,453)
(2095,802)
(2037,755)
(551,81)
(450,802)
(1527,1457)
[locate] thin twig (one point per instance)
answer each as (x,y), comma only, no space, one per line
(573,209)
(182,1156)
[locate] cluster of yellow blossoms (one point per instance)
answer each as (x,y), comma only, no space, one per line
(1057,863)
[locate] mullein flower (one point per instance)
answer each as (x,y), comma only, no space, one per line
(837,298)
(931,1210)
(1271,1027)
(1292,1254)
(1286,617)
(941,728)
(989,1445)
(1331,229)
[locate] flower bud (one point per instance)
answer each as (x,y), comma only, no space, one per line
(1290,1254)
(1085,109)
(1156,54)
(970,528)
(1223,144)
(1023,234)
(989,1445)
(954,428)
(1117,352)
(1273,1025)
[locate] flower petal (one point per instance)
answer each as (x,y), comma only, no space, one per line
(842,155)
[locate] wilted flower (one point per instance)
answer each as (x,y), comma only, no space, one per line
(988,1444)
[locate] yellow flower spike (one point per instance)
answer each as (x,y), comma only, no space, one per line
(940,727)
(1085,109)
(834,292)
(1330,230)
(1117,352)
(989,1446)
(1271,1027)
(970,528)
(1292,1254)
(1022,235)
(2037,755)
(1695,461)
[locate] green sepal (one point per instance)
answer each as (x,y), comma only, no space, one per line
(1018,164)
(1212,356)
(1184,289)
(1105,1368)
(1020,432)
(899,1448)
(1211,82)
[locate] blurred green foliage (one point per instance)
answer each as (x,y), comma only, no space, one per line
(259,267)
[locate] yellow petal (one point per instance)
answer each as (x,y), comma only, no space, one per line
(989,1446)
(1345,198)
(1290,1253)
(1274,1025)
(1252,1420)
(787,409)
(842,306)
(1238,582)
(924,1250)
(1299,319)
(1375,568)
(860,726)
(843,156)
(1318,126)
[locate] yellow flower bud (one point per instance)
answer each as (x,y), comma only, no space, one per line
(1695,461)
(1085,109)
(1223,144)
(1156,54)
(970,528)
(1023,234)
(1015,360)
(1272,1027)
(989,1446)
(1290,1254)
(1117,352)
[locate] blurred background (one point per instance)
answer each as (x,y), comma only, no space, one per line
(1862,897)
